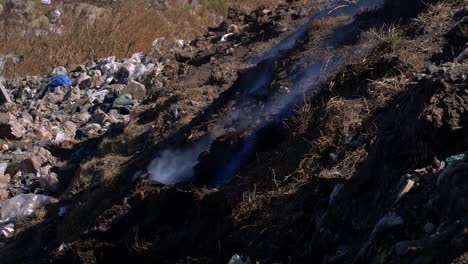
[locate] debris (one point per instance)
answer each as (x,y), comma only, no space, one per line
(452,159)
(124,100)
(409,185)
(236,259)
(225,37)
(4,96)
(59,81)
(8,230)
(62,211)
(135,89)
(22,206)
(9,127)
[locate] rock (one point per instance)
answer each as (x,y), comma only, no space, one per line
(29,166)
(4,96)
(4,195)
(99,118)
(9,127)
(69,128)
(85,84)
(4,180)
(122,75)
(135,89)
(26,166)
(183,56)
(117,89)
(81,117)
(42,133)
(72,94)
(49,182)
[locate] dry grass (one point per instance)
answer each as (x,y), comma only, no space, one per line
(129,27)
(125,143)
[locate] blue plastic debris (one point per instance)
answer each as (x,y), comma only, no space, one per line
(59,81)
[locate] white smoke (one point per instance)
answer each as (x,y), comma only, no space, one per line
(173,166)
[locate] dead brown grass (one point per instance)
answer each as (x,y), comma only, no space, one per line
(129,27)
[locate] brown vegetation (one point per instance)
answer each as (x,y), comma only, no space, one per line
(128,28)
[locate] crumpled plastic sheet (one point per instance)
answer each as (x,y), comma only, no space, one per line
(59,81)
(100,95)
(236,259)
(8,230)
(135,66)
(22,206)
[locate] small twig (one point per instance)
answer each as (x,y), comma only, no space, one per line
(463,55)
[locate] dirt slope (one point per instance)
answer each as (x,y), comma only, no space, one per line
(331,148)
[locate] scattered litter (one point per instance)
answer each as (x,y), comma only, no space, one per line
(59,81)
(5,147)
(180,43)
(409,185)
(46,2)
(124,100)
(452,159)
(225,37)
(100,95)
(57,13)
(236,259)
(22,206)
(8,230)
(62,211)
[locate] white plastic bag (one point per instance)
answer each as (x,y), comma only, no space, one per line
(22,206)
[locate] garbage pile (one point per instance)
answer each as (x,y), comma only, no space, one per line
(68,105)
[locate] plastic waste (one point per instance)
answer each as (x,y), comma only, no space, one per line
(60,70)
(180,43)
(56,13)
(225,37)
(3,167)
(8,230)
(2,63)
(22,206)
(124,100)
(454,158)
(62,211)
(236,259)
(46,2)
(138,71)
(100,96)
(111,68)
(59,81)
(136,58)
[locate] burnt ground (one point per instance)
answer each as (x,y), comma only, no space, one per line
(341,164)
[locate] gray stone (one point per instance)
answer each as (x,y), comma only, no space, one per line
(4,96)
(135,89)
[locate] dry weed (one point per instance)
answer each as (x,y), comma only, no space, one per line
(130,27)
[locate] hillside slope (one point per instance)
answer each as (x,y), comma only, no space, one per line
(330,132)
